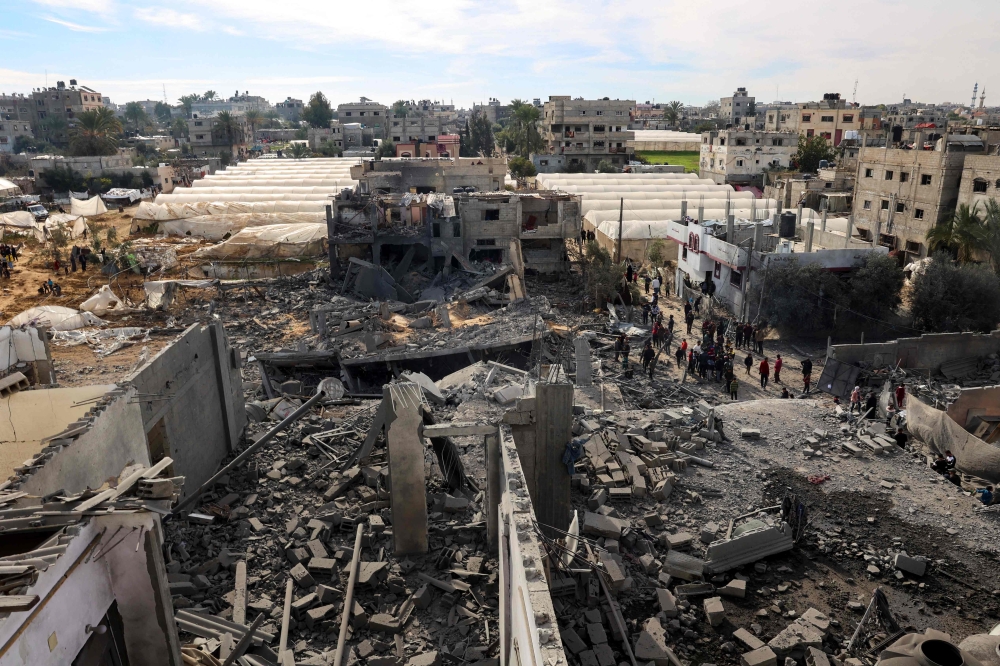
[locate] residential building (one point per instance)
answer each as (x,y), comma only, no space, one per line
(290,110)
(353,135)
(15,120)
(319,137)
(832,185)
(588,132)
(55,109)
(418,127)
(735,108)
(237,105)
(901,193)
(494,111)
(778,117)
(445,145)
(367,113)
(828,119)
(205,139)
(426,176)
(740,157)
(980,181)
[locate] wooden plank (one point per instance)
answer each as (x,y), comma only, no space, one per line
(507,368)
(458,429)
(17,603)
(286,617)
(338,656)
(240,598)
(123,487)
(244,643)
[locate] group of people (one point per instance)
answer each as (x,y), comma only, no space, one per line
(750,337)
(8,255)
(49,287)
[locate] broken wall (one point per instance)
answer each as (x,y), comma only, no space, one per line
(938,431)
(191,398)
(26,350)
(928,351)
(972,402)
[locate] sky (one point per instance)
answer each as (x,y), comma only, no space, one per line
(465,52)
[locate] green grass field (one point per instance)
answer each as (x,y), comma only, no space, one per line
(687,158)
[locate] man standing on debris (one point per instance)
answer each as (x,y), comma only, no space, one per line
(733,387)
(765,372)
(900,396)
(628,271)
(645,313)
(647,354)
(739,336)
(656,286)
(777,369)
(856,399)
(680,354)
(689,320)
(619,345)
(807,369)
(648,281)
(748,361)
(758,336)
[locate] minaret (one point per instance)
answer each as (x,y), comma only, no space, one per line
(975,89)
(982,98)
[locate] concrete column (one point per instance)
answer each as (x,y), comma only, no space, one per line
(779,206)
(553,430)
(684,208)
(331,246)
(822,222)
(494,490)
(444,317)
(584,368)
(810,228)
(701,213)
(406,467)
(758,236)
(730,226)
(728,208)
(798,216)
(850,225)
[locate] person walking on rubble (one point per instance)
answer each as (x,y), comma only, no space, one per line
(777,369)
(758,337)
(855,400)
(679,354)
(648,281)
(733,388)
(657,333)
(645,313)
(656,286)
(807,368)
(647,354)
(739,336)
(689,320)
(748,361)
(619,345)
(765,372)
(900,394)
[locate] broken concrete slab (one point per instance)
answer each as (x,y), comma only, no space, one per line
(714,610)
(764,656)
(426,384)
(735,588)
(652,645)
(755,543)
(595,524)
(406,468)
(911,565)
(798,635)
(667,602)
(748,639)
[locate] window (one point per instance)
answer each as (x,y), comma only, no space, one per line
(777,142)
(741,142)
(885,204)
(486,241)
(810,132)
(903,176)
(374,113)
(619,113)
(739,162)
(825,135)
(347,113)
(395,123)
(867,205)
(456,229)
(918,214)
(806,117)
(361,113)
(848,118)
(491,214)
(199,136)
(979,185)
(900,207)
(888,175)
(436,229)
(925,179)
(598,128)
(757,141)
(735,278)
(395,139)
(826,119)
(722,140)
(197,123)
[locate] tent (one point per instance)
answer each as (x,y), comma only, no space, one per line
(9,189)
(217,227)
(121,195)
(276,241)
(57,317)
(20,222)
(92,206)
(74,225)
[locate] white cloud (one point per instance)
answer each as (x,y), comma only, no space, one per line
(97,6)
(169,18)
(75,27)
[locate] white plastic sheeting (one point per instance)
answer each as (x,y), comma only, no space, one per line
(263,189)
(596,217)
(9,189)
(278,241)
(668,200)
(269,181)
(563,177)
(20,218)
(180,211)
(104,340)
(193,197)
(636,229)
(160,293)
(123,193)
(20,346)
(103,302)
(73,225)
(56,317)
(92,206)
(216,227)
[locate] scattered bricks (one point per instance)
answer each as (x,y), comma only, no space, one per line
(596,633)
(562,587)
(572,641)
(326,594)
(301,576)
(455,504)
(597,499)
(817,619)
(422,597)
(305,603)
(683,566)
(322,565)
(649,564)
(588,658)
(694,589)
(668,602)
(372,573)
(638,487)
(709,532)
(734,588)
(676,541)
(847,447)
(595,524)
(911,565)
(317,549)
(359,618)
(376,661)
(761,657)
(605,655)
(318,614)
(256,525)
(820,434)
(653,519)
(652,645)
(376,524)
(748,639)
(425,659)
(714,611)
(291,525)
(620,494)
(816,657)
(185,589)
(383,622)
(797,636)
(474,564)
(615,573)
(750,433)
(665,579)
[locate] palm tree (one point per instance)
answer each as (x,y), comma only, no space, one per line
(991,233)
(135,115)
(227,129)
(521,132)
(209,95)
(672,112)
(962,233)
(299,150)
(96,133)
(179,128)
(52,127)
(253,118)
(271,119)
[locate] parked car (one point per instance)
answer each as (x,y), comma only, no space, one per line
(38,210)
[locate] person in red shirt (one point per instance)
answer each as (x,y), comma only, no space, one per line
(900,396)
(777,369)
(765,372)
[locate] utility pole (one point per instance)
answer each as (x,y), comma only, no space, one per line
(621,214)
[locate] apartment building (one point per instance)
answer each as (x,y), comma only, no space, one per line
(237,105)
(322,137)
(901,193)
(828,119)
(368,113)
(736,107)
(980,181)
(206,139)
(15,120)
(740,157)
(290,110)
(54,109)
(413,128)
(494,111)
(588,132)
(778,117)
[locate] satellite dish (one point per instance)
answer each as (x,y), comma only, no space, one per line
(332,388)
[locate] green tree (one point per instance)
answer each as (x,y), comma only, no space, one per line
(227,130)
(991,234)
(481,141)
(799,299)
(299,150)
(399,108)
(187,101)
(95,133)
(521,136)
(520,168)
(64,179)
(575,167)
(135,116)
(301,134)
(271,119)
(179,128)
(53,129)
(318,111)
(875,287)
(656,253)
(209,95)
(811,151)
(672,112)
(253,118)
(386,149)
(962,233)
(605,166)
(947,297)
(162,112)
(704,126)
(465,141)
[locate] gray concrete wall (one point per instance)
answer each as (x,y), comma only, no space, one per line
(114,440)
(204,416)
(928,351)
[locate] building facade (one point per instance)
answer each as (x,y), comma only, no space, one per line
(980,181)
(588,132)
(829,119)
(740,157)
(205,137)
(367,113)
(54,110)
(290,110)
(736,107)
(15,120)
(900,194)
(237,105)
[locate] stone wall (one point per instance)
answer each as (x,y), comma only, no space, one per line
(927,352)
